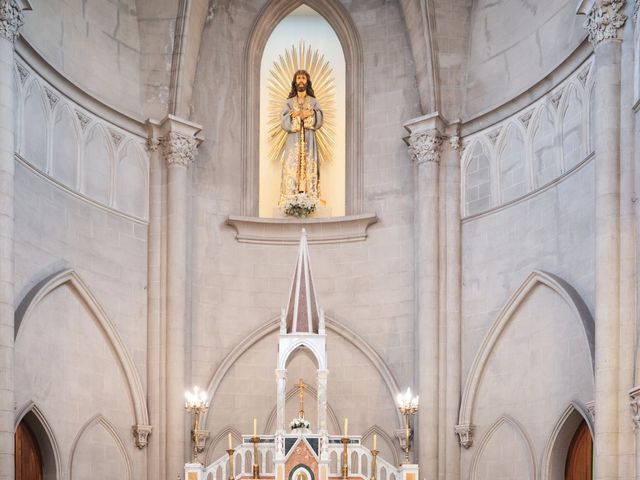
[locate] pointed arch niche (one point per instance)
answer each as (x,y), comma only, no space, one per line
(306,25)
(269,20)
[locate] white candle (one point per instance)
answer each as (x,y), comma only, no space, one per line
(230,444)
(346,427)
(255,427)
(375,441)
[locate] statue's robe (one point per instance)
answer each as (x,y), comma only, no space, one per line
(290,184)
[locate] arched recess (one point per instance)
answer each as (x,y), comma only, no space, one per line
(309,392)
(557,446)
(100,421)
(70,278)
(52,464)
(389,440)
(502,422)
(332,325)
(284,357)
(132,181)
(221,438)
(562,288)
(512,163)
(269,16)
(478,187)
(35,127)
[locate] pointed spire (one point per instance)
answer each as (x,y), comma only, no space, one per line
(302,315)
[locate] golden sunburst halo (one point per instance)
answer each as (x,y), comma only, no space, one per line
(279,85)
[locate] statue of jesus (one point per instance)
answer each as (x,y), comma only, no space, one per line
(300,118)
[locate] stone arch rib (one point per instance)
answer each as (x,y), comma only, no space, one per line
(562,288)
(332,325)
(526,442)
(266,20)
(111,430)
(70,278)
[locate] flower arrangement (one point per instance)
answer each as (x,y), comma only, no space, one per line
(299,423)
(299,205)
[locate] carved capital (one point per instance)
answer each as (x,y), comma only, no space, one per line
(178,149)
(141,434)
(634,395)
(604,21)
(401,435)
(454,142)
(11,19)
(465,434)
(152,144)
(425,147)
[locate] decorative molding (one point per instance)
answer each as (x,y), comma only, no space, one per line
(116,137)
(286,231)
(23,73)
(465,434)
(178,149)
(83,119)
(525,118)
(11,19)
(141,434)
(605,21)
(591,410)
(425,147)
(494,134)
(634,394)
(556,97)
(52,98)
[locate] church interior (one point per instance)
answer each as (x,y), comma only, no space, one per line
(319,239)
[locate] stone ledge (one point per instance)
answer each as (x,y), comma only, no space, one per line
(286,231)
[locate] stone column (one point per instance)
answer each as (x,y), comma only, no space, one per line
(453,284)
(603,24)
(322,400)
(425,143)
(178,143)
(10,23)
(281,399)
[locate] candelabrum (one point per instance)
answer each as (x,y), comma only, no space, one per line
(231,463)
(256,467)
(374,463)
(345,458)
(408,406)
(196,403)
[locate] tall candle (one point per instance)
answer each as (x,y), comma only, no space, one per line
(346,427)
(255,427)
(230,444)
(375,441)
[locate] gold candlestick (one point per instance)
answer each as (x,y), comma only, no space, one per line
(374,463)
(231,463)
(256,467)
(345,459)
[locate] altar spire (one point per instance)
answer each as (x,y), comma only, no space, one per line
(302,315)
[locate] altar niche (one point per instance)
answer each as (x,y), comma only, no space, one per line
(303,40)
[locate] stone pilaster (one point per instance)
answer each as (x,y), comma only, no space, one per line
(604,21)
(425,147)
(281,399)
(323,375)
(11,19)
(177,140)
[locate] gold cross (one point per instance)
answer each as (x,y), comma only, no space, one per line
(301,385)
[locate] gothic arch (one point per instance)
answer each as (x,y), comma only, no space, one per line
(70,278)
(526,443)
(221,436)
(99,420)
(377,430)
(555,450)
(49,446)
(274,325)
(266,20)
(562,288)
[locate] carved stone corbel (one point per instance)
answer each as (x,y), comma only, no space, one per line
(465,434)
(141,435)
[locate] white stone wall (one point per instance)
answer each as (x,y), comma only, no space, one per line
(67,33)
(513,45)
(367,286)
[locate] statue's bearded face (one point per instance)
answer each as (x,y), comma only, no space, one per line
(301,82)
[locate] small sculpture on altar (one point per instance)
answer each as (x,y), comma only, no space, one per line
(300,422)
